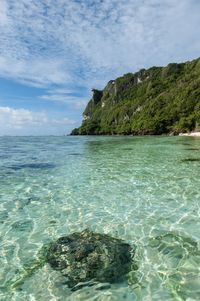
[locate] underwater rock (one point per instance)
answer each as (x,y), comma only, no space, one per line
(89,256)
(191,160)
(32,166)
(193,148)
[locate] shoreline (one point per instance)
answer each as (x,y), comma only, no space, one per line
(191,134)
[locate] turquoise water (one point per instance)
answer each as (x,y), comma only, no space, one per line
(144,190)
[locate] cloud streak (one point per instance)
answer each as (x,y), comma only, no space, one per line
(65,96)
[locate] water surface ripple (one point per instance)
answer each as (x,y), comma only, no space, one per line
(144,190)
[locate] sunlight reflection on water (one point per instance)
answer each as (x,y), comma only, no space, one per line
(144,190)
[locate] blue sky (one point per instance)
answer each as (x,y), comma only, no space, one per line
(53,52)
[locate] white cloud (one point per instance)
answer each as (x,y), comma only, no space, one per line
(3,14)
(19,120)
(87,42)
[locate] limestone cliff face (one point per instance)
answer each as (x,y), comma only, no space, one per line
(96,98)
(154,101)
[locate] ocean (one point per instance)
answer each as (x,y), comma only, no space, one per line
(144,190)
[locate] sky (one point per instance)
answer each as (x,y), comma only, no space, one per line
(53,52)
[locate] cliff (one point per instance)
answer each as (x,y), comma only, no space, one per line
(159,100)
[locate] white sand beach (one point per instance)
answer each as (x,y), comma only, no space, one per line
(192,134)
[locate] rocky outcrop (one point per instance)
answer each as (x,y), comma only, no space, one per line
(97,95)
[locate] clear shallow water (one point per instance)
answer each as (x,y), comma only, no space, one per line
(135,188)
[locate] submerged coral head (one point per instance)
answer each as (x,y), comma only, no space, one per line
(88,256)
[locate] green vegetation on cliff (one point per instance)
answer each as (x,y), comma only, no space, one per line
(159,100)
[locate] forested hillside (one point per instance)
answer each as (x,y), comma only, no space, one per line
(159,100)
